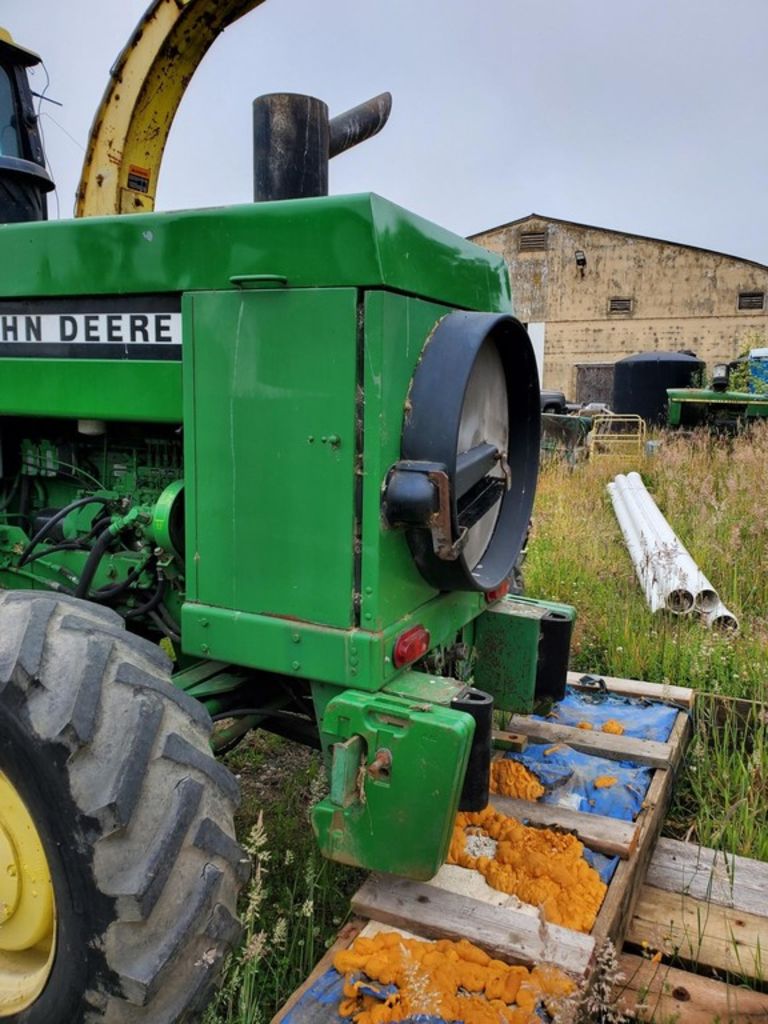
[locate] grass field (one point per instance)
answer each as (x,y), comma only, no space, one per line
(715,494)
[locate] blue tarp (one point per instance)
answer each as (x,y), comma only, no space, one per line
(569,779)
(569,776)
(603,865)
(643,719)
(317,1004)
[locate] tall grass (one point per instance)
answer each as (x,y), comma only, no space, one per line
(296,900)
(714,492)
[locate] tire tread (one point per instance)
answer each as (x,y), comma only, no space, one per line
(163,850)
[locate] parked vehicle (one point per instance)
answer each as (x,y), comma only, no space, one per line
(553,401)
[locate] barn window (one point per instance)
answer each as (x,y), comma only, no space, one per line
(533,241)
(751,300)
(618,305)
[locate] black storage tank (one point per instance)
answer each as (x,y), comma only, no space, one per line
(640,382)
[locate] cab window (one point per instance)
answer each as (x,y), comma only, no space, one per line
(9,132)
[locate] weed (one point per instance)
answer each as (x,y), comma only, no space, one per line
(714,491)
(296,900)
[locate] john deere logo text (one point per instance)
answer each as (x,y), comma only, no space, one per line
(92,328)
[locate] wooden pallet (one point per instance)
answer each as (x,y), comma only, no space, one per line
(514,933)
(695,905)
(710,911)
(657,894)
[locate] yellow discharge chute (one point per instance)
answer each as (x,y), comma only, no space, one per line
(147,83)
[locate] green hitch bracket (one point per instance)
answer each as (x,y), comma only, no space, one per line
(522,648)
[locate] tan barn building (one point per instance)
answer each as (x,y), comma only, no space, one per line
(591,296)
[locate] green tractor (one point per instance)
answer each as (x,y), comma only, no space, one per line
(737,396)
(267,467)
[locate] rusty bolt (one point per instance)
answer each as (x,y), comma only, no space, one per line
(381,765)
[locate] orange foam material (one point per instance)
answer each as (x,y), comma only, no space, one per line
(510,778)
(614,727)
(452,980)
(538,865)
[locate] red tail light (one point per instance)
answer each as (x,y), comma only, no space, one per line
(497,593)
(410,646)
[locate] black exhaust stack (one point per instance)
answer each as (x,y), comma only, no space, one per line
(24,181)
(294,138)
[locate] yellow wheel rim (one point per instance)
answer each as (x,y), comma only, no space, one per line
(27,906)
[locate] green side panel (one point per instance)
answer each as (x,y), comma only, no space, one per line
(396,331)
(269,420)
(507,646)
(346,657)
(336,241)
(102,389)
(404,823)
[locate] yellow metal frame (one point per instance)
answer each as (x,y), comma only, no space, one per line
(619,436)
(147,83)
(27,906)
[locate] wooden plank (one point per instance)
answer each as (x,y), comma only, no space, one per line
(503,740)
(611,836)
(702,933)
(682,696)
(344,939)
(601,744)
(615,914)
(678,739)
(503,932)
(710,875)
(655,992)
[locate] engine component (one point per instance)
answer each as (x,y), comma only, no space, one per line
(294,139)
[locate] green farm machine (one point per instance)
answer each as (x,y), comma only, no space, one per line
(737,397)
(266,466)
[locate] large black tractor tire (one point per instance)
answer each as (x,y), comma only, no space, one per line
(134,815)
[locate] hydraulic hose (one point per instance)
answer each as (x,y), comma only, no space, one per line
(93,561)
(109,593)
(149,605)
(167,618)
(44,530)
(71,545)
(98,526)
(164,628)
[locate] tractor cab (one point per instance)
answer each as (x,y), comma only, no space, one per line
(24,181)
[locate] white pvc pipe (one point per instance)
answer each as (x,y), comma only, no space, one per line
(638,551)
(663,565)
(687,572)
(673,577)
(720,618)
(643,555)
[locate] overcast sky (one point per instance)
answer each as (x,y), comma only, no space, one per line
(642,115)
